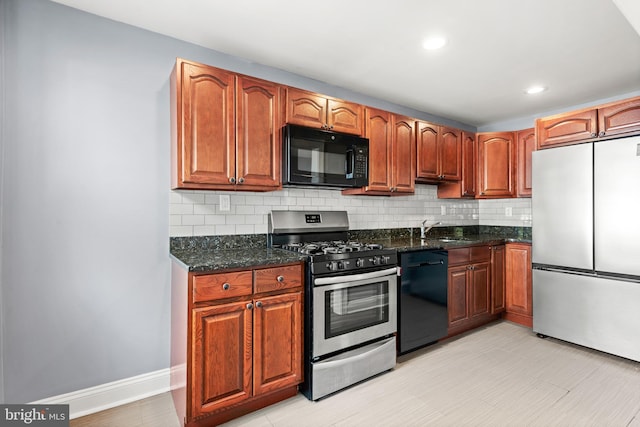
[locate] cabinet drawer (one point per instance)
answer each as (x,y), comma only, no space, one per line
(480,253)
(274,279)
(223,285)
(459,256)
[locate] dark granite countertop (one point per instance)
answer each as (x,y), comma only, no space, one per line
(211,260)
(405,244)
(216,253)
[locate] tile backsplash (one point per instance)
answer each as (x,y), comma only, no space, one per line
(198,213)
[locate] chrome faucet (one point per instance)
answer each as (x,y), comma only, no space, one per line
(424,230)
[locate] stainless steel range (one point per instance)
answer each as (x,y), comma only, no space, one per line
(350,299)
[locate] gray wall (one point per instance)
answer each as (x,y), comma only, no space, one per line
(85,195)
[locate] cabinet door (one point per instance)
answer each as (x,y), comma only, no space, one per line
(479,289)
(306,108)
(450,154)
(457,295)
(526,144)
(221,358)
(277,348)
(496,152)
(343,116)
(378,130)
(518,279)
(258,133)
(619,118)
(403,156)
(469,161)
(497,279)
(564,129)
(427,151)
(205,133)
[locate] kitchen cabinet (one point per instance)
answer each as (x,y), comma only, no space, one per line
(525,146)
(226,130)
(466,187)
(310,109)
(469,288)
(518,279)
(438,153)
(496,164)
(612,119)
(240,341)
(391,154)
(498,280)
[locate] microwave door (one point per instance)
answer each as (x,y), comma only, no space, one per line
(318,162)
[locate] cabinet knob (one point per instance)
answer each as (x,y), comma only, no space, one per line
(602,134)
(240,180)
(593,135)
(259,304)
(226,286)
(249,306)
(280,278)
(232,180)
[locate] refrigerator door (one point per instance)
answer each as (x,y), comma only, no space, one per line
(617,206)
(591,311)
(562,207)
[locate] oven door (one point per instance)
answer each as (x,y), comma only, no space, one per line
(353,309)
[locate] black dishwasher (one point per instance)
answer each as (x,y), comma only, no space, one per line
(422,298)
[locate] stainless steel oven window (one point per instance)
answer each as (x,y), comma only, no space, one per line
(357,307)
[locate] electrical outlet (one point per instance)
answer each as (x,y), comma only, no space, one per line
(443,210)
(508,211)
(225,203)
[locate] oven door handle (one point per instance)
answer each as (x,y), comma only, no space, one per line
(355,277)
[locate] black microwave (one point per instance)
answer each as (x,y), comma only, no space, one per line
(316,157)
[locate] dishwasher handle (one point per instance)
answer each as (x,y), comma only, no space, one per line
(426,263)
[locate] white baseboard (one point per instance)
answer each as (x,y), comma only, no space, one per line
(109,395)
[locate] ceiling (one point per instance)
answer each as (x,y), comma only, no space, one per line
(581,50)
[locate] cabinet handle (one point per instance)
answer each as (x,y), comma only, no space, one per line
(249,306)
(259,304)
(226,286)
(241,180)
(232,180)
(602,134)
(280,278)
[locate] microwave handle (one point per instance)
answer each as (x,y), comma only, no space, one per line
(350,165)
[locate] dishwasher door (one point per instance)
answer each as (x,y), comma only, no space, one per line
(422,299)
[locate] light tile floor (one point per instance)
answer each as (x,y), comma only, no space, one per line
(498,375)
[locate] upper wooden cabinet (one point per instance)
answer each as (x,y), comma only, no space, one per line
(313,110)
(525,146)
(391,154)
(226,130)
(438,153)
(611,119)
(496,164)
(466,187)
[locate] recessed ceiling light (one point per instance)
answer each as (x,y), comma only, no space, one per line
(535,89)
(433,43)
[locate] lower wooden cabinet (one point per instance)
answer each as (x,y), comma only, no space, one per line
(240,347)
(518,276)
(498,280)
(469,288)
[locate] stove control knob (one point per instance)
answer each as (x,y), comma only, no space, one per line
(375,260)
(332,266)
(384,259)
(340,265)
(359,262)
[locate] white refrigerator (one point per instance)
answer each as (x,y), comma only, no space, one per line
(586,245)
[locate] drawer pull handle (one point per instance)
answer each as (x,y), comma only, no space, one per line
(280,279)
(226,286)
